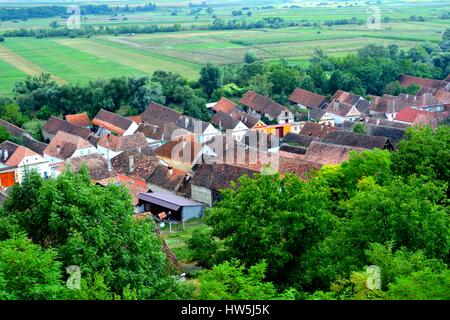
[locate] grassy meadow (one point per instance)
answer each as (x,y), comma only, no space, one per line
(79,60)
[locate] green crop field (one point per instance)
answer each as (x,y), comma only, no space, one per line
(79,60)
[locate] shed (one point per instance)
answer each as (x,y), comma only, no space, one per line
(175,207)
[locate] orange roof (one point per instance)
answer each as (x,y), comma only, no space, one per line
(409,115)
(225,105)
(67,143)
(81,119)
(136,119)
(20,153)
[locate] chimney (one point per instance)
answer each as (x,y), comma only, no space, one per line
(58,149)
(169,171)
(5,154)
(139,149)
(378,121)
(220,124)
(155,128)
(187,177)
(131,162)
(186,122)
(109,165)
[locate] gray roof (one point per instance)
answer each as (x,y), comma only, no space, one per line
(168,200)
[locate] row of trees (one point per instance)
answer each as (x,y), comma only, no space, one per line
(61,11)
(317,237)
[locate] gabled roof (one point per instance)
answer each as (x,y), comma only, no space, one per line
(224,121)
(112,121)
(137,119)
(262,104)
(341,109)
(219,176)
(121,143)
(54,124)
(167,179)
(182,151)
(166,132)
(67,144)
(313,129)
(192,125)
(352,139)
(97,165)
(81,119)
(224,105)
(12,129)
(246,118)
(15,154)
(292,149)
(159,114)
(395,135)
(33,144)
(307,98)
(410,115)
(407,81)
(327,153)
(141,166)
(168,200)
(297,139)
(297,165)
(347,97)
(385,123)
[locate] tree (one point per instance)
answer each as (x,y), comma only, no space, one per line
(261,84)
(29,272)
(203,248)
(250,57)
(34,128)
(232,281)
(11,113)
(210,78)
(281,230)
(169,81)
(93,227)
(192,105)
(359,128)
(424,151)
(4,134)
(151,92)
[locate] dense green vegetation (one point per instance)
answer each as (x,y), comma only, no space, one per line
(317,236)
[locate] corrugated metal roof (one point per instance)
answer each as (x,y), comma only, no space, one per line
(168,200)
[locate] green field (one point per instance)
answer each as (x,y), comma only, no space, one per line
(79,60)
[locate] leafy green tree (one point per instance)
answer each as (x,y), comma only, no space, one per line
(250,57)
(29,272)
(261,84)
(192,104)
(422,285)
(4,134)
(210,78)
(203,248)
(232,281)
(169,81)
(12,114)
(359,128)
(424,151)
(93,227)
(261,219)
(34,128)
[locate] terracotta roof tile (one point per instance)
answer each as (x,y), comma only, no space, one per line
(81,119)
(112,122)
(159,114)
(121,143)
(219,176)
(327,153)
(262,104)
(15,154)
(134,164)
(224,105)
(54,124)
(67,143)
(307,98)
(317,130)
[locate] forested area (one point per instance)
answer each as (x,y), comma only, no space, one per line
(314,239)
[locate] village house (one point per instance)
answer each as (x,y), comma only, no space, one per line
(184,154)
(224,105)
(80,119)
(257,104)
(327,153)
(313,129)
(15,159)
(426,85)
(110,145)
(167,179)
(342,111)
(157,135)
(416,117)
(394,134)
(361,104)
(33,144)
(210,179)
(202,131)
(99,168)
(247,119)
(64,146)
(358,140)
(321,117)
(107,122)
(159,115)
(54,125)
(306,99)
(169,207)
(227,123)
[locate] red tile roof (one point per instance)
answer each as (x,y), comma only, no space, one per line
(137,119)
(307,98)
(410,115)
(407,81)
(81,119)
(224,105)
(16,153)
(262,104)
(327,153)
(121,143)
(112,121)
(67,143)
(313,129)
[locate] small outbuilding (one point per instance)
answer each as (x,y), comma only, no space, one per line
(167,206)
